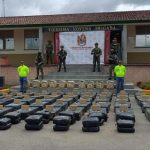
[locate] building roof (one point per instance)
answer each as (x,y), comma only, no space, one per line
(82,18)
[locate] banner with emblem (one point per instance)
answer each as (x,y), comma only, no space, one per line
(80,44)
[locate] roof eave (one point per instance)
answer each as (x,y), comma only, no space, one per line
(78,23)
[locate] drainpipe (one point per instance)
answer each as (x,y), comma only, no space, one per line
(41,41)
(124,44)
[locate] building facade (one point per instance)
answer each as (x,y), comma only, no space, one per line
(22,37)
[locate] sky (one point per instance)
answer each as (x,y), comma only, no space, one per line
(51,7)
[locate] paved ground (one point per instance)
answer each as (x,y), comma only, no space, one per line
(17,138)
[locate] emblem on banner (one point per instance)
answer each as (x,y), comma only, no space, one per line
(81,40)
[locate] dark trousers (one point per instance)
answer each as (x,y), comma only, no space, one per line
(119,84)
(23,84)
(111,69)
(49,57)
(38,70)
(96,60)
(62,61)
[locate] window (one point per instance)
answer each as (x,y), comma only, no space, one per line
(31,39)
(6,40)
(142,36)
(1,44)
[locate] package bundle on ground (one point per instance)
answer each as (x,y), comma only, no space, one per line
(125,118)
(126,126)
(62,123)
(15,117)
(70,114)
(5,123)
(34,122)
(144,102)
(90,124)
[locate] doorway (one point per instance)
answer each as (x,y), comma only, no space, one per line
(116,35)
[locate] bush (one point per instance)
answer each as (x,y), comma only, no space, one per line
(144,85)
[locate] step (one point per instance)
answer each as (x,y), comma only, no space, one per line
(77,77)
(129,85)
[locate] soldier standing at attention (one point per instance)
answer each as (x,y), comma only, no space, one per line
(96,52)
(62,58)
(39,65)
(49,52)
(116,46)
(113,61)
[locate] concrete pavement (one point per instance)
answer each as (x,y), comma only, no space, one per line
(17,138)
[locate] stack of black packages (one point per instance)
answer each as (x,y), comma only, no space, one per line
(71,114)
(99,115)
(5,123)
(34,122)
(125,126)
(62,123)
(91,124)
(47,116)
(125,119)
(14,116)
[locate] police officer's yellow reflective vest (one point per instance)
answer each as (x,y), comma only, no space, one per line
(23,71)
(120,71)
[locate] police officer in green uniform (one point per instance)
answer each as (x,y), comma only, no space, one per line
(62,58)
(49,52)
(120,71)
(23,72)
(96,52)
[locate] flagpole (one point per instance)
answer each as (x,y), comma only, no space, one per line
(3,5)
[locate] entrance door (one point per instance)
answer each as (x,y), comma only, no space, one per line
(115,37)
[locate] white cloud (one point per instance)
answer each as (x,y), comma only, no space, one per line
(48,7)
(131,7)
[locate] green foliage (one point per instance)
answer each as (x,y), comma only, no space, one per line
(144,85)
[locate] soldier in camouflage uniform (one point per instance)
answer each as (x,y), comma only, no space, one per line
(49,52)
(39,62)
(96,52)
(116,46)
(113,61)
(62,58)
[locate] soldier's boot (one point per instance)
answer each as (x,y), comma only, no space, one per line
(93,69)
(94,66)
(59,69)
(65,68)
(110,78)
(42,76)
(99,70)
